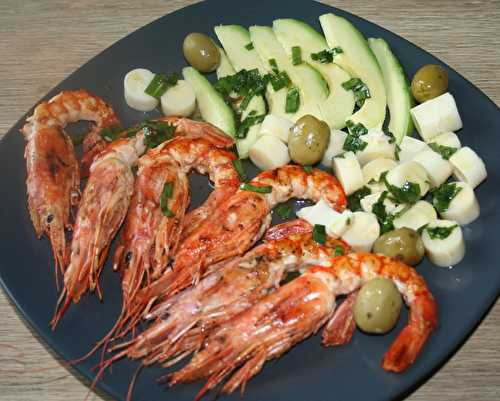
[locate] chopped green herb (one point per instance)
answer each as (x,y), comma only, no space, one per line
(360,90)
(308,169)
(340,156)
(354,200)
(279,80)
(353,142)
(166,194)
(273,64)
(296,55)
(265,189)
(284,211)
(245,102)
(249,46)
(238,166)
(292,100)
(445,151)
(336,50)
(160,83)
(111,133)
(443,195)
(245,125)
(157,125)
(351,83)
(356,129)
(239,89)
(339,251)
(385,219)
(440,232)
(319,233)
(225,84)
(408,193)
(168,190)
(245,84)
(326,56)
(156,132)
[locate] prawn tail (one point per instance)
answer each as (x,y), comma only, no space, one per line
(407,346)
(404,350)
(340,328)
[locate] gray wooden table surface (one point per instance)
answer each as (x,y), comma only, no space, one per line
(41,42)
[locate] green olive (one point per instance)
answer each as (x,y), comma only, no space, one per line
(403,244)
(429,82)
(201,52)
(377,306)
(308,139)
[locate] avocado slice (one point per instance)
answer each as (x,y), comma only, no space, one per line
(311,85)
(339,104)
(397,87)
(359,61)
(225,67)
(234,38)
(212,107)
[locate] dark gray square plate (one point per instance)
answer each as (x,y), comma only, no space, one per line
(309,372)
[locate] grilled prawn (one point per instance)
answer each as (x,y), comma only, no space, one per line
(53,174)
(239,348)
(182,323)
(151,238)
(103,207)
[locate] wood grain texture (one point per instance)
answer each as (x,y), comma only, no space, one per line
(42,42)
